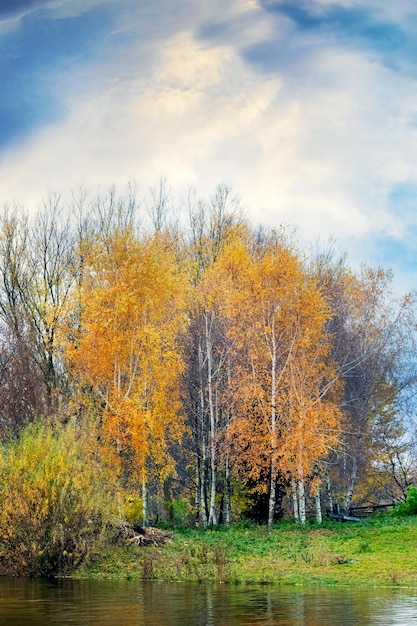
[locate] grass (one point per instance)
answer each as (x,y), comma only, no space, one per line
(379,552)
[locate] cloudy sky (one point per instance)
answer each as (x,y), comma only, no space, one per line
(306,108)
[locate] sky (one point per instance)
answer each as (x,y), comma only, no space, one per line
(307,109)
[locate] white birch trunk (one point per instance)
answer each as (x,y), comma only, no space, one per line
(228,503)
(213,469)
(301,501)
(295,499)
(203,481)
(201,434)
(197,491)
(271,504)
(272,488)
(319,515)
(144,502)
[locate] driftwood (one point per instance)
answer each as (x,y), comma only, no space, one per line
(145,536)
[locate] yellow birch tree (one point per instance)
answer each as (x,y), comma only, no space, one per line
(128,350)
(281,423)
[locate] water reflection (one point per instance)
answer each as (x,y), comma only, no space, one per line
(81,603)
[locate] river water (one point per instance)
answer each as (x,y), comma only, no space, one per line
(81,603)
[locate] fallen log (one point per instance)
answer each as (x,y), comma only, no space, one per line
(145,535)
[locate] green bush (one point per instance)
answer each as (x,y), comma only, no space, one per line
(409,507)
(54,502)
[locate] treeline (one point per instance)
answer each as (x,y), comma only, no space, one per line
(212,370)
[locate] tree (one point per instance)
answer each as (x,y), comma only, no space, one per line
(37,269)
(128,350)
(373,344)
(281,423)
(212,225)
(52,276)
(212,348)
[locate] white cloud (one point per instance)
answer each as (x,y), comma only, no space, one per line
(320,144)
(197,118)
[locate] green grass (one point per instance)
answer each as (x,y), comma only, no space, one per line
(380,551)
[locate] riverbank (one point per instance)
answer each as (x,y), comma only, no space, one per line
(381,551)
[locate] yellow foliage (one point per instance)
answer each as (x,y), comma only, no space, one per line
(283,416)
(129,349)
(133,509)
(54,497)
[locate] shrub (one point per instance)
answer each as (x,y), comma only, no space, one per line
(181,513)
(409,507)
(54,502)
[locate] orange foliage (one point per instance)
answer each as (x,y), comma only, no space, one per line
(128,348)
(283,420)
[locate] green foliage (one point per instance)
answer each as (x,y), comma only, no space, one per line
(54,502)
(409,507)
(181,512)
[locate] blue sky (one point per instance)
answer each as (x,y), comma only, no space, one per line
(308,109)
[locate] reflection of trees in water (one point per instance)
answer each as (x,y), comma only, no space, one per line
(128,603)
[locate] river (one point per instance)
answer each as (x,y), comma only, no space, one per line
(126,603)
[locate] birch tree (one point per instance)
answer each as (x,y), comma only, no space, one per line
(281,421)
(129,351)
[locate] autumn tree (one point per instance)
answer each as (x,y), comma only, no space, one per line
(212,348)
(281,423)
(373,344)
(128,350)
(212,224)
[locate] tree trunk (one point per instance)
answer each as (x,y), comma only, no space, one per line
(301,501)
(227,494)
(272,497)
(317,496)
(228,503)
(328,487)
(351,487)
(201,444)
(144,502)
(272,488)
(295,499)
(212,521)
(197,494)
(319,515)
(203,481)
